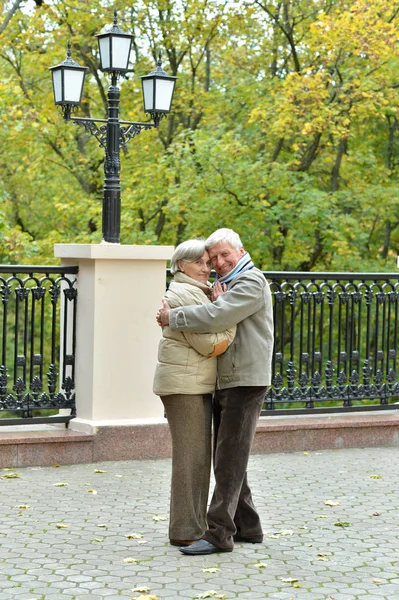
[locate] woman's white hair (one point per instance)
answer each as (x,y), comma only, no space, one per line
(187,251)
(224,235)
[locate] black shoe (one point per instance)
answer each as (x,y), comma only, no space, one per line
(202,547)
(249,540)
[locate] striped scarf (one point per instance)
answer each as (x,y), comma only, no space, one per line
(244,264)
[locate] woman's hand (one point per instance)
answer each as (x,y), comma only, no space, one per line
(218,290)
(163,314)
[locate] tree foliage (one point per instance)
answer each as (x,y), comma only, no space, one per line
(284,126)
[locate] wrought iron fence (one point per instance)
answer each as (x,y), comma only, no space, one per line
(38,334)
(336,337)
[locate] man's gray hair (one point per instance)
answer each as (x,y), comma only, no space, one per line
(224,235)
(187,251)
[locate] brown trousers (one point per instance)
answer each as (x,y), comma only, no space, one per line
(190,419)
(236,412)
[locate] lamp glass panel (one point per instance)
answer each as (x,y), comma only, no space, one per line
(103,44)
(57,85)
(164,93)
(120,52)
(73,82)
(148,91)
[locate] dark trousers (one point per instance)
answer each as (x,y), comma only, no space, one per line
(236,413)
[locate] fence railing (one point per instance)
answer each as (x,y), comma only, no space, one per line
(336,337)
(37,336)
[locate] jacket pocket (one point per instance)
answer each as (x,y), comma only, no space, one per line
(228,364)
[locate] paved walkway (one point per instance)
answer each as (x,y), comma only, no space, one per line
(97,531)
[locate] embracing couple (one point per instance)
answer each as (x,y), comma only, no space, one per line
(214,359)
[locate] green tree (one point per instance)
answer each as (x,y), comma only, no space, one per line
(284,127)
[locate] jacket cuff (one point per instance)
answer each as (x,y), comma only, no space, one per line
(177,319)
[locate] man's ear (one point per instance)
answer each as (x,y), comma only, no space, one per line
(242,251)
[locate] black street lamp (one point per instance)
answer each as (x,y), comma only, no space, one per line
(112,134)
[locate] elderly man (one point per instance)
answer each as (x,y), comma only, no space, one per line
(244,371)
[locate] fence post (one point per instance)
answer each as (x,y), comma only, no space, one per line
(119,292)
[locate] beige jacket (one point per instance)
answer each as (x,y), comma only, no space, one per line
(187,362)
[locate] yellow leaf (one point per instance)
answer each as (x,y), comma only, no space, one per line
(99,471)
(61,526)
(60,484)
(159,518)
(331,503)
(146,597)
(10,476)
(210,570)
(129,560)
(141,588)
(23,506)
(376,476)
(260,565)
(134,536)
(92,491)
(288,579)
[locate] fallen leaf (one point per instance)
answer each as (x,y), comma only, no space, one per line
(210,570)
(377,581)
(159,518)
(142,542)
(331,503)
(101,525)
(260,565)
(23,506)
(322,556)
(129,559)
(321,517)
(90,491)
(376,476)
(55,466)
(61,526)
(134,536)
(141,588)
(288,579)
(99,471)
(98,539)
(286,532)
(212,594)
(342,523)
(273,536)
(10,476)
(60,484)
(307,453)
(376,514)
(146,597)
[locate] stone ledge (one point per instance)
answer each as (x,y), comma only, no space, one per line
(54,445)
(354,430)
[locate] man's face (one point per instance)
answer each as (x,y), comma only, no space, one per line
(224,257)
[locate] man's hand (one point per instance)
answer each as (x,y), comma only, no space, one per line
(163,314)
(218,290)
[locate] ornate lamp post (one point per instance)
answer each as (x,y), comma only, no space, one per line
(111,133)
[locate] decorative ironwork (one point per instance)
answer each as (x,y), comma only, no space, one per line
(37,334)
(336,337)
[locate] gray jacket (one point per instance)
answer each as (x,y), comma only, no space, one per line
(247,304)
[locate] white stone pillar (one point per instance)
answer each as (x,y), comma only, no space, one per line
(119,293)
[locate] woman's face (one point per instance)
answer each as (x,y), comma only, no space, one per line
(198,269)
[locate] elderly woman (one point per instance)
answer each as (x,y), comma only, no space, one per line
(185,379)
